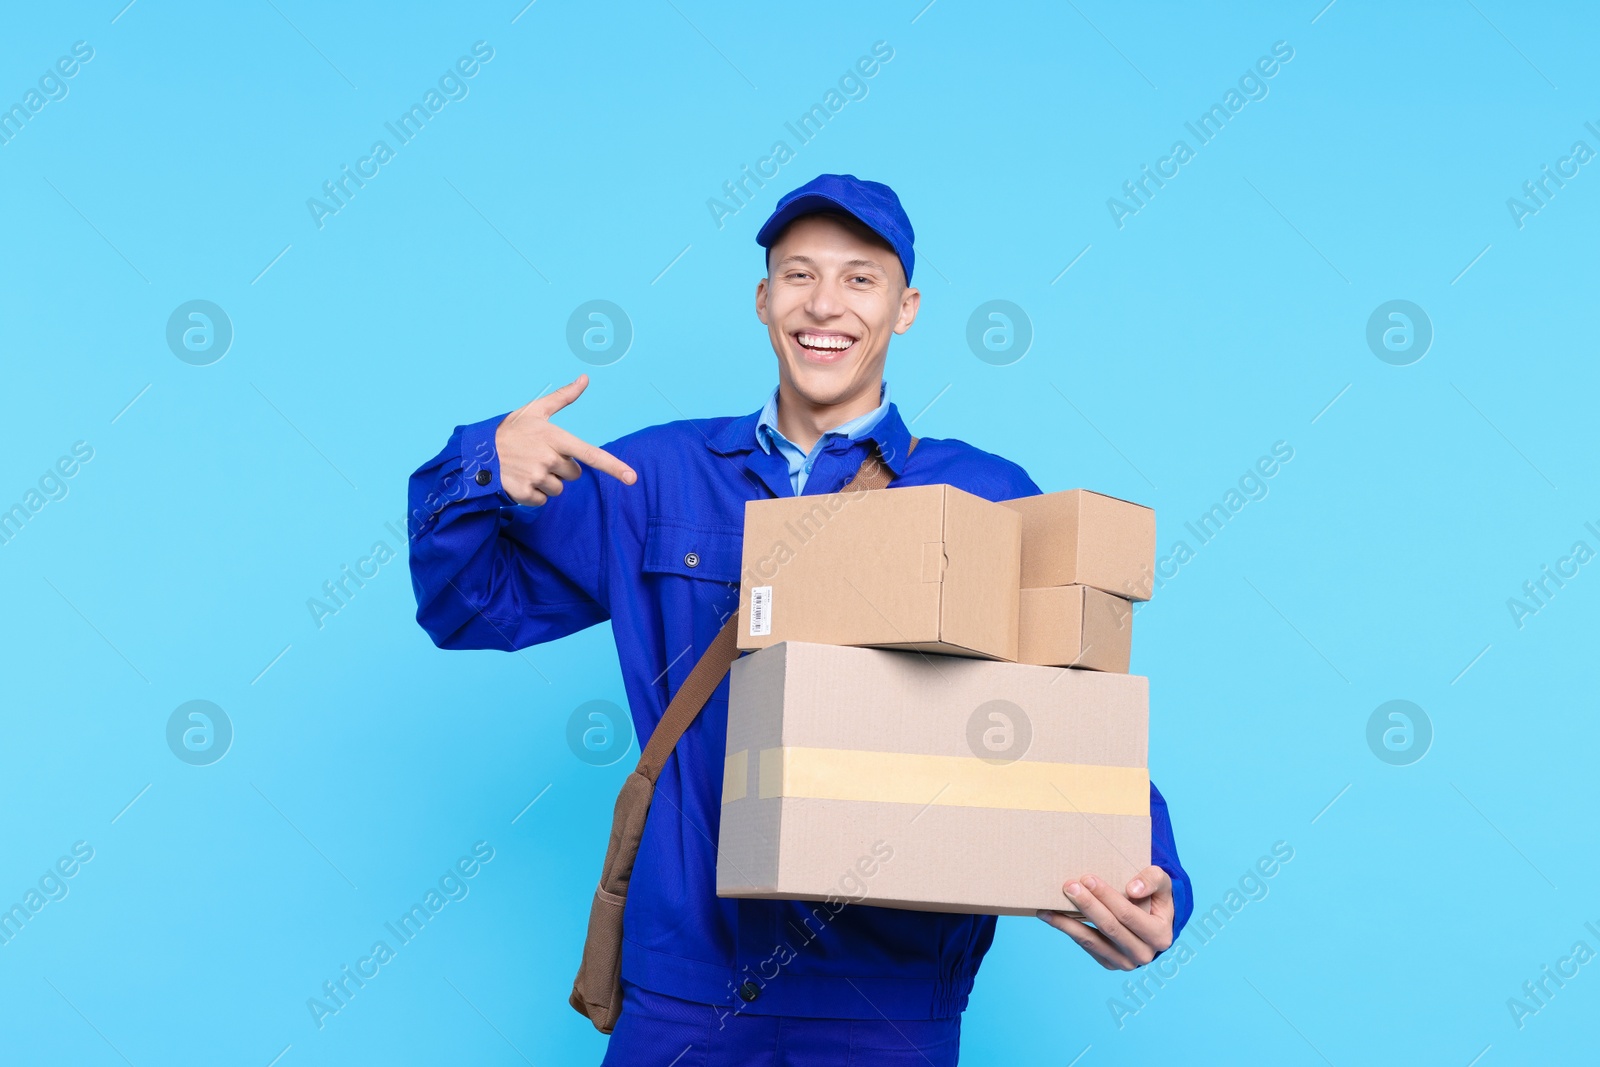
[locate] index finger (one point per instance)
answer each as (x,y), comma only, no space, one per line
(598,458)
(1120,918)
(557,399)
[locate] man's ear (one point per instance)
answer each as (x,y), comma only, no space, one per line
(910,301)
(761,301)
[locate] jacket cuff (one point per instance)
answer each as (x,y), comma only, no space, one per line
(480,463)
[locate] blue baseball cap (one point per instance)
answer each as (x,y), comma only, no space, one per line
(875,205)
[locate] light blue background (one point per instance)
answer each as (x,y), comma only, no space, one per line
(1224,317)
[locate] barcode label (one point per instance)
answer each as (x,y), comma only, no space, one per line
(761,611)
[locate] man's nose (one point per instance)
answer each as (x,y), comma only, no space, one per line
(825,302)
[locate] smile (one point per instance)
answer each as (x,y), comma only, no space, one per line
(827,345)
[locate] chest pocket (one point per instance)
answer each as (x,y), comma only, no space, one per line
(710,553)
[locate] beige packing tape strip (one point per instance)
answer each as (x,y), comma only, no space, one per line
(955,781)
(735,773)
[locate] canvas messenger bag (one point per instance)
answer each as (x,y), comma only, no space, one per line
(597,991)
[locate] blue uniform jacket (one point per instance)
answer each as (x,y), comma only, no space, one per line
(661,560)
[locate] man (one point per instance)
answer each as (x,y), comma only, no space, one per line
(514,545)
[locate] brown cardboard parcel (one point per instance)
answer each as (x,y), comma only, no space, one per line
(930,782)
(924,567)
(1083,538)
(1074,626)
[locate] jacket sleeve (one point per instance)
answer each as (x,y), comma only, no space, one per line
(491,573)
(1164,854)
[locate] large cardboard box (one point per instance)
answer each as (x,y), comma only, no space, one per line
(1074,626)
(927,567)
(930,782)
(1083,538)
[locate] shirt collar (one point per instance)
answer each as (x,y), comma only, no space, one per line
(890,434)
(767,421)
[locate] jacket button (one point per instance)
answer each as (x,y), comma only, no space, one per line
(483,477)
(691,559)
(749,992)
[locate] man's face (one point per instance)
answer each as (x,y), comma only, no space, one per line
(833,296)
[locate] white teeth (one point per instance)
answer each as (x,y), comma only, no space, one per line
(816,341)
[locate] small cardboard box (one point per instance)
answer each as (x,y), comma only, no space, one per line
(926,567)
(1083,538)
(1074,626)
(929,782)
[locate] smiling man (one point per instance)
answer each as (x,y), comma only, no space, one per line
(513,545)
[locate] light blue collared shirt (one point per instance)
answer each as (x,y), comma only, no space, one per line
(767,435)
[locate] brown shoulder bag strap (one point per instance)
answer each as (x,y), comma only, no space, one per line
(597,991)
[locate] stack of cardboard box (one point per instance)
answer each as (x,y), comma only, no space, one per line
(1083,556)
(937,713)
